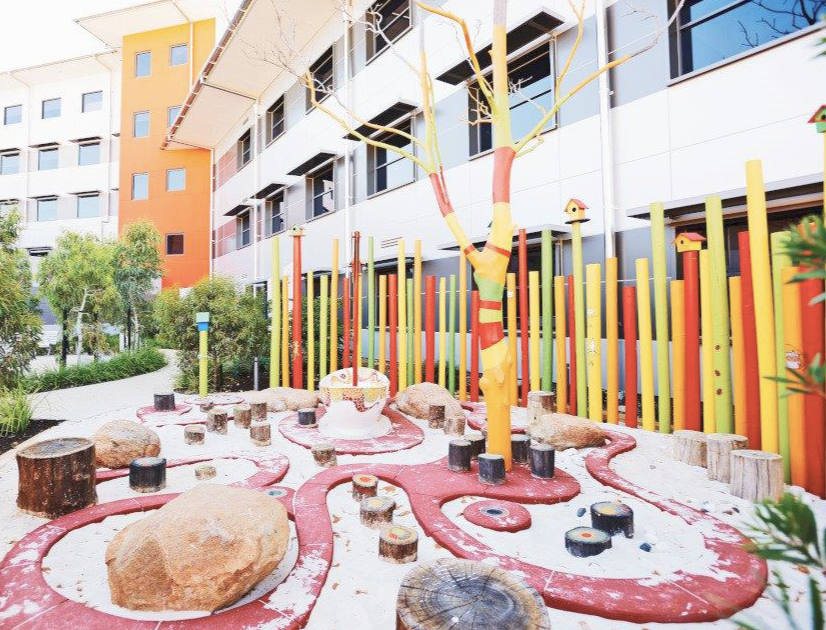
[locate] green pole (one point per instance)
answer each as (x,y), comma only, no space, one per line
(275,316)
(661,315)
(371,306)
(410,332)
(322,330)
(451,332)
(547,309)
(579,318)
(721,353)
(779,261)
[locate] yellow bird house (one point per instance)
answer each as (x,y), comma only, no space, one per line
(575,211)
(819,119)
(689,242)
(297,231)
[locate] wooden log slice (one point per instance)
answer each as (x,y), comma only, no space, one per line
(520,447)
(204,472)
(454,426)
(458,455)
(491,469)
(542,460)
(364,486)
(165,401)
(242,416)
(217,421)
(586,541)
(398,544)
(376,512)
(477,444)
(306,417)
(56,477)
(612,518)
(147,474)
(206,405)
(756,475)
(436,416)
(540,403)
(258,410)
(456,594)
(194,434)
(324,454)
(690,447)
(718,454)
(261,434)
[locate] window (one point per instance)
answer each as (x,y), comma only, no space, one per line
(708,31)
(178,55)
(47,209)
(322,73)
(143,64)
(392,17)
(92,102)
(140,124)
(322,191)
(174,244)
(9,163)
(176,179)
(243,229)
(140,186)
(12,114)
(274,209)
(172,115)
(50,108)
(389,169)
(532,73)
(88,154)
(275,120)
(47,159)
(88,206)
(244,149)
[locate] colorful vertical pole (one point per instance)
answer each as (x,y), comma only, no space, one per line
(298,351)
(442,331)
(779,261)
(275,314)
(382,324)
(371,305)
(593,343)
(474,346)
(812,315)
(573,395)
(202,323)
(462,327)
(451,337)
(691,295)
(735,288)
(793,346)
(334,309)
(523,315)
(646,350)
(393,325)
(661,315)
(356,275)
(561,361)
(410,330)
(285,331)
(533,309)
(417,311)
(709,418)
(547,310)
(578,322)
(678,351)
(612,339)
(629,332)
(310,332)
(322,327)
(763,303)
(429,328)
(513,381)
(345,321)
(752,374)
(401,271)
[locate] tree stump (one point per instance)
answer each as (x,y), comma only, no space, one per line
(306,417)
(520,446)
(436,416)
(491,469)
(756,475)
(454,426)
(217,421)
(261,434)
(477,444)
(376,512)
(690,447)
(165,401)
(147,474)
(206,405)
(612,518)
(56,477)
(718,454)
(364,486)
(458,455)
(540,403)
(204,472)
(398,544)
(242,416)
(258,410)
(194,434)
(542,460)
(324,454)
(586,541)
(467,595)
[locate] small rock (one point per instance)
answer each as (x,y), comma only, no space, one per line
(580,511)
(645,546)
(707,506)
(733,507)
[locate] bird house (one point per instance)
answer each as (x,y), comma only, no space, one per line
(819,119)
(689,242)
(297,231)
(575,211)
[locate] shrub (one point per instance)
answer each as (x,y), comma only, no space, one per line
(123,365)
(15,411)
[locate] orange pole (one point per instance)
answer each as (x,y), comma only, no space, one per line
(815,407)
(474,346)
(793,346)
(629,329)
(430,328)
(692,418)
(752,374)
(393,327)
(738,351)
(523,313)
(678,351)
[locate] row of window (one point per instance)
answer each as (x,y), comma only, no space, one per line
(175,181)
(178,56)
(48,158)
(140,121)
(51,107)
(88,206)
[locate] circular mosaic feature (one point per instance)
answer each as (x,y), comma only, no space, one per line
(613,517)
(586,541)
(500,516)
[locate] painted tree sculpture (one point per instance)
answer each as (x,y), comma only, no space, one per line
(492,107)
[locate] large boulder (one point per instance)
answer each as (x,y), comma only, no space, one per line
(201,551)
(416,400)
(118,442)
(563,431)
(283,398)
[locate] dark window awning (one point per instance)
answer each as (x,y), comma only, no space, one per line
(7,202)
(85,193)
(537,25)
(241,207)
(313,163)
(269,189)
(389,115)
(44,197)
(86,140)
(45,145)
(11,150)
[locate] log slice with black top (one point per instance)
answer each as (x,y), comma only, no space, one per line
(147,474)
(613,517)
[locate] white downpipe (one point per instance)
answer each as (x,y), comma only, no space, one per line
(348,100)
(605,131)
(211,236)
(256,185)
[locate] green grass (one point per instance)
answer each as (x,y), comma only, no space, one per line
(15,411)
(123,365)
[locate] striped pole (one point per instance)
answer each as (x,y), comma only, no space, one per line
(593,343)
(345,320)
(523,314)
(451,337)
(371,305)
(383,324)
(275,314)
(462,327)
(573,395)
(678,351)
(334,309)
(578,320)
(646,349)
(629,329)
(547,310)
(815,410)
(513,382)
(793,342)
(474,346)
(779,262)
(401,272)
(429,328)
(752,374)
(709,420)
(393,326)
(310,332)
(561,361)
(691,295)
(535,375)
(442,331)
(322,328)
(612,338)
(735,287)
(661,315)
(417,311)
(285,331)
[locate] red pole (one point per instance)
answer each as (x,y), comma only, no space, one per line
(629,329)
(430,328)
(750,344)
(691,288)
(474,346)
(298,353)
(345,321)
(571,348)
(392,327)
(356,307)
(814,407)
(523,313)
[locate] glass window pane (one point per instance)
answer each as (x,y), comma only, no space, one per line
(178,55)
(12,114)
(88,206)
(140,186)
(46,209)
(174,244)
(143,64)
(50,108)
(172,115)
(176,179)
(323,192)
(141,125)
(88,154)
(92,101)
(9,164)
(47,159)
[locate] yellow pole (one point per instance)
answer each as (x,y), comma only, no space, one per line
(463,293)
(513,391)
(678,351)
(310,333)
(334,309)
(612,337)
(793,345)
(561,354)
(401,270)
(763,303)
(593,344)
(382,323)
(646,344)
(533,282)
(417,311)
(442,332)
(203,364)
(275,313)
(709,416)
(735,290)
(285,331)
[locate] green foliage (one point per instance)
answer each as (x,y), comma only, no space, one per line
(15,411)
(20,323)
(120,366)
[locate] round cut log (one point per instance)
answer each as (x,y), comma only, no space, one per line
(756,475)
(194,434)
(719,447)
(242,416)
(376,512)
(690,447)
(398,544)
(147,474)
(540,403)
(118,442)
(164,401)
(283,398)
(364,486)
(583,542)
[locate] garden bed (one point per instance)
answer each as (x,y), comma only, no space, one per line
(36,426)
